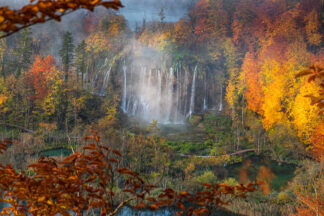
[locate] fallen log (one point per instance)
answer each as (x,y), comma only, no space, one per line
(210,156)
(18,127)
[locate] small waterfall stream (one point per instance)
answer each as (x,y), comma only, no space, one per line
(99,81)
(105,81)
(221,100)
(193,92)
(205,105)
(124,102)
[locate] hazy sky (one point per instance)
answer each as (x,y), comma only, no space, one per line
(136,10)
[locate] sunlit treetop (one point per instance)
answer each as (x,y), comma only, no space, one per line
(43,10)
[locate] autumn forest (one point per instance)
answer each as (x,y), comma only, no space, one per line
(191,107)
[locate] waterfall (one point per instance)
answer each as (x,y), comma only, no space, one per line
(221,100)
(94,82)
(105,81)
(193,91)
(178,92)
(124,108)
(159,91)
(153,92)
(205,106)
(186,92)
(170,93)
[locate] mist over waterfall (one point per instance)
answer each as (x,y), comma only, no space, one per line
(125,88)
(157,88)
(152,94)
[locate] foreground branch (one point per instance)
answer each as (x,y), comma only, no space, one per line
(121,205)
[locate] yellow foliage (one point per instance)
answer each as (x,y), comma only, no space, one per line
(230,94)
(160,40)
(274,81)
(3,98)
(304,114)
(97,42)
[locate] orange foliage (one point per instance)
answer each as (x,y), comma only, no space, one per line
(254,93)
(39,74)
(109,36)
(210,21)
(244,23)
(318,142)
(80,182)
(311,206)
(14,20)
(182,31)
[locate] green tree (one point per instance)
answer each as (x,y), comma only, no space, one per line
(3,48)
(23,51)
(66,53)
(162,15)
(80,60)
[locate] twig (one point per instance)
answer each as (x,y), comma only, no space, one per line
(121,205)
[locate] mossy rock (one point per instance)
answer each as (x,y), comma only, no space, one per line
(283,197)
(200,126)
(194,120)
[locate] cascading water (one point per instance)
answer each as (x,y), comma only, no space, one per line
(124,89)
(153,94)
(193,91)
(221,100)
(170,93)
(105,82)
(154,91)
(99,81)
(205,106)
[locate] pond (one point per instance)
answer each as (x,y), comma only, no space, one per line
(127,211)
(279,173)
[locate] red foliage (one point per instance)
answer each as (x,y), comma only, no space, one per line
(254,93)
(210,21)
(39,75)
(89,22)
(318,141)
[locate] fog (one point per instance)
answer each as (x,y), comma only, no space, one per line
(134,10)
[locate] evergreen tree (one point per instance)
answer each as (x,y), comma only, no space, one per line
(22,58)
(143,26)
(66,53)
(162,15)
(3,48)
(80,58)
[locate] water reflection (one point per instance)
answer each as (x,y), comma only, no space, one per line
(126,211)
(131,212)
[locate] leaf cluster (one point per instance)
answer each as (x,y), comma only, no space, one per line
(200,202)
(43,10)
(81,182)
(315,73)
